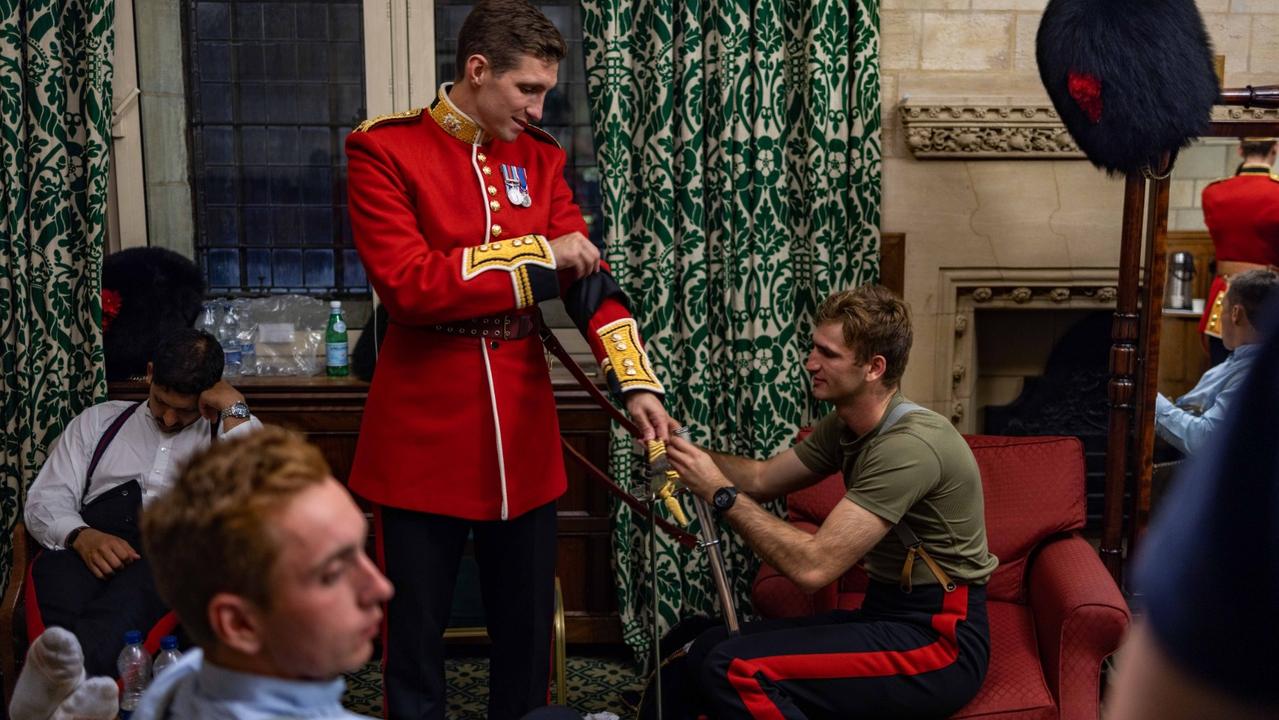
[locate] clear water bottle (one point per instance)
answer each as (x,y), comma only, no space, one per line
(169,654)
(134,667)
(208,320)
(247,335)
(337,363)
(228,335)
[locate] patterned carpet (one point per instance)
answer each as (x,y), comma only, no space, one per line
(595,684)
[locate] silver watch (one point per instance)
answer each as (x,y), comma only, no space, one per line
(238,409)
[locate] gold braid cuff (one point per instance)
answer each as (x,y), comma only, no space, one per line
(508,255)
(626,357)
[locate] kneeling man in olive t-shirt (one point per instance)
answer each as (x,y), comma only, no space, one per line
(919,645)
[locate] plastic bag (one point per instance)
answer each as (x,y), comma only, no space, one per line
(289,334)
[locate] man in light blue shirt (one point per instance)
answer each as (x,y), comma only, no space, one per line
(260,552)
(1187,424)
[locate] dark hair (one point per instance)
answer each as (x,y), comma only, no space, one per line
(1250,290)
(503,30)
(187,361)
(1255,148)
(875,322)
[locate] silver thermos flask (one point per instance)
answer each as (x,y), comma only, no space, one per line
(1179,290)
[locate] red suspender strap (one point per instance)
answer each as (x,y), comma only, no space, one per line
(112,430)
(552,343)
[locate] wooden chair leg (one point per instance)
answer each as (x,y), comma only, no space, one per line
(22,548)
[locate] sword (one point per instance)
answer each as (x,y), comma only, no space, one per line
(662,486)
(709,537)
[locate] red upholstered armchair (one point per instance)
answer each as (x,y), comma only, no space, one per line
(1055,614)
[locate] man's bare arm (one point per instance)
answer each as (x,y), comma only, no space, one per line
(765,479)
(810,561)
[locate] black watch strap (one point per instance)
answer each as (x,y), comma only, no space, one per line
(71,536)
(722,500)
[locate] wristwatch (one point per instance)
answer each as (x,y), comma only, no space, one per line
(71,537)
(723,499)
(239,409)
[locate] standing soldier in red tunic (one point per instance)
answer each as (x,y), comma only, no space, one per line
(1242,215)
(464,222)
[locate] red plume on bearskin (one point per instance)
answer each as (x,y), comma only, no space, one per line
(1131,79)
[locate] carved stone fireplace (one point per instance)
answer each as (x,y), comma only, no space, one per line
(1027,354)
(999,214)
(971,292)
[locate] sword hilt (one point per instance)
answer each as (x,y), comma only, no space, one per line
(665,480)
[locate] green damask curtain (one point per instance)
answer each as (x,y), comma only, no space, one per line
(739,146)
(55,78)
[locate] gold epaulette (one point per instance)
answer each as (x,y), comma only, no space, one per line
(541,135)
(369,124)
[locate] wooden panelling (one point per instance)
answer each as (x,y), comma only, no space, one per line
(892,262)
(1182,358)
(1198,244)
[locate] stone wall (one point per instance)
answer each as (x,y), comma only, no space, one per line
(1021,215)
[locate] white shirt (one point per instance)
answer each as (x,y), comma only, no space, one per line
(140,451)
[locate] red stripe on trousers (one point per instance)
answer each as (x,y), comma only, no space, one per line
(35,621)
(830,666)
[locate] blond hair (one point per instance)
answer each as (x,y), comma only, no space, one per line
(213,531)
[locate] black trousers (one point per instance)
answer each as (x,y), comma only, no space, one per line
(100,612)
(97,612)
(420,553)
(917,655)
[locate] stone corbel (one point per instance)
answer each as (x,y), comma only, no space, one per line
(975,128)
(1222,113)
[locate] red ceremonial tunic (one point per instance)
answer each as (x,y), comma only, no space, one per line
(1242,215)
(466,425)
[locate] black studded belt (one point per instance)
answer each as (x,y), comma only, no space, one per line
(505,327)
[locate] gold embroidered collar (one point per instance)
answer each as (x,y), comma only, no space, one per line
(454,121)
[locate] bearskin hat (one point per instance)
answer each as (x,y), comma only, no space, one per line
(154,292)
(1131,79)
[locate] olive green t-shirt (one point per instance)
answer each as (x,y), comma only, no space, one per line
(919,470)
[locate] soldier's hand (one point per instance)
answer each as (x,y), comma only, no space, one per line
(103,553)
(649,414)
(575,252)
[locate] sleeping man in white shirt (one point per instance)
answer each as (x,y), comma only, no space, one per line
(109,462)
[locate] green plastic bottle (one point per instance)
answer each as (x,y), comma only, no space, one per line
(337,361)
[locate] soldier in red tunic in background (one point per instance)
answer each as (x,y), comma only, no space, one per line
(1242,215)
(464,222)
